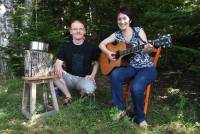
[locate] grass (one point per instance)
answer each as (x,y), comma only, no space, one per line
(171,111)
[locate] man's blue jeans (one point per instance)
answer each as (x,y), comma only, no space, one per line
(140,78)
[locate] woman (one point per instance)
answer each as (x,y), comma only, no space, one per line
(140,70)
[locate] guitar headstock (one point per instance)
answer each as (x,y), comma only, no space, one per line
(163,41)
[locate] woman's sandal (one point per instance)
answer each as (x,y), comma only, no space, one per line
(143,125)
(119,115)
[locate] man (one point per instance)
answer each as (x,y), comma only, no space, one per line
(81,60)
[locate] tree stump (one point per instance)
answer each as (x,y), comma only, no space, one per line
(38,63)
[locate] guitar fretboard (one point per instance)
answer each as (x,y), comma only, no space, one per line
(131,50)
(160,42)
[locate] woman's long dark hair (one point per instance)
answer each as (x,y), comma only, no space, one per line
(126,11)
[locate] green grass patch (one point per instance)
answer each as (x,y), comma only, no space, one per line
(170,111)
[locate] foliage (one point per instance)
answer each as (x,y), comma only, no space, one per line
(181,59)
(174,108)
(50,22)
(42,30)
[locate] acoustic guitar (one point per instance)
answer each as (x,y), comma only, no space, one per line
(121,50)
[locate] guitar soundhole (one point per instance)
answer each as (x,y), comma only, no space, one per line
(117,55)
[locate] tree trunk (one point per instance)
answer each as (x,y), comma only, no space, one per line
(6,29)
(28,12)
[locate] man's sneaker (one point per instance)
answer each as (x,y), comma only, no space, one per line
(143,124)
(67,101)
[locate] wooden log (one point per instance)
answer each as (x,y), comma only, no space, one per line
(38,63)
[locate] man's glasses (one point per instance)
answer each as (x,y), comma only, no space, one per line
(78,29)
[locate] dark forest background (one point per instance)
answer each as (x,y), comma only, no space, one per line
(174,105)
(50,19)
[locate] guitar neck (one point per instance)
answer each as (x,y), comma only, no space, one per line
(131,50)
(160,42)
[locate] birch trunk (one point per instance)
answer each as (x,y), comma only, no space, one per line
(6,29)
(28,4)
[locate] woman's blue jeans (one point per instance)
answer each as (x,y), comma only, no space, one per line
(140,78)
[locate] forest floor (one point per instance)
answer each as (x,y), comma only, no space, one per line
(173,109)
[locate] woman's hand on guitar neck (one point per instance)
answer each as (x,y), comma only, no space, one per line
(148,47)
